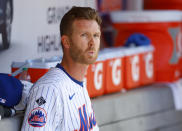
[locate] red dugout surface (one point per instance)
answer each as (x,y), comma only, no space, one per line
(163,28)
(96,78)
(114,70)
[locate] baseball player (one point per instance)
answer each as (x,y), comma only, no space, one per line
(59,100)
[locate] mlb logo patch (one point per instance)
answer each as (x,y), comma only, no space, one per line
(40,101)
(37,117)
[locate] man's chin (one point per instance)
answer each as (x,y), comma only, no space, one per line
(89,61)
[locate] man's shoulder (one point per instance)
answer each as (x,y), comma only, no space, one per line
(53,77)
(54,74)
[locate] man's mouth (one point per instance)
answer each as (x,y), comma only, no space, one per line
(91,52)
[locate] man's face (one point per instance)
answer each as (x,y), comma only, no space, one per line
(84,41)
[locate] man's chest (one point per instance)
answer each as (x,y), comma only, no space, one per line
(78,112)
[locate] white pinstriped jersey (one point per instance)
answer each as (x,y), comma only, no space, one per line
(57,102)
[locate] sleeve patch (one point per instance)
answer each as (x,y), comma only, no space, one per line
(41,101)
(37,117)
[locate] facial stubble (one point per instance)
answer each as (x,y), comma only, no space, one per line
(80,56)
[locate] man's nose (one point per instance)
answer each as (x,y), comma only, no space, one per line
(91,42)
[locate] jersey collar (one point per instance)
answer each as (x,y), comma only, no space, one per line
(76,81)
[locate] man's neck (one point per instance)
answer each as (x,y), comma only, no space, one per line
(75,70)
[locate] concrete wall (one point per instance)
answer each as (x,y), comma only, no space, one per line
(149,108)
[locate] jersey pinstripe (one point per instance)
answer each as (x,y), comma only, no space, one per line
(57,102)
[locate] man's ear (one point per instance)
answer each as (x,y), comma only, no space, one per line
(65,41)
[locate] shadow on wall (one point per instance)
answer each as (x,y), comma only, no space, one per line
(6,18)
(1,48)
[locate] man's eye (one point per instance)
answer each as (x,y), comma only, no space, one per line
(84,34)
(96,35)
